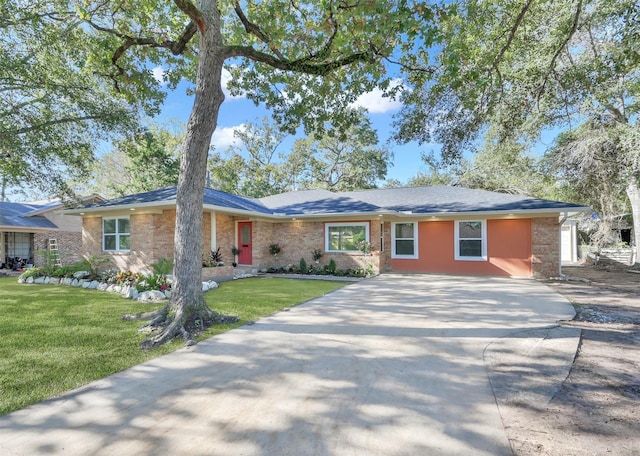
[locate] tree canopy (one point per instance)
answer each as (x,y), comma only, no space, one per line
(54,112)
(145,159)
(335,160)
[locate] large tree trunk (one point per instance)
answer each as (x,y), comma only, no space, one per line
(633,193)
(187,312)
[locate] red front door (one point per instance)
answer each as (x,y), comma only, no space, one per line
(244,243)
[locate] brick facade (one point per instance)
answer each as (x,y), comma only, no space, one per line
(298,239)
(152,237)
(545,247)
(69,246)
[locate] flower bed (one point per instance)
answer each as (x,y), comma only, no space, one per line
(130,285)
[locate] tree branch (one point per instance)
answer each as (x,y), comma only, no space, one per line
(317,69)
(176,47)
(512,34)
(50,123)
(254,29)
(552,63)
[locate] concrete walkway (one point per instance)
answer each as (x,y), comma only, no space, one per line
(395,365)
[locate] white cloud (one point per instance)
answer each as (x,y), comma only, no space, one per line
(226,77)
(223,137)
(158,74)
(375,102)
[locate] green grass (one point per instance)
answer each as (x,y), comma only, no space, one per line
(55,338)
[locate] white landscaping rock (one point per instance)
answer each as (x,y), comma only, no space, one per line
(94,284)
(47,280)
(151,296)
(86,284)
(29,280)
(103,286)
(39,280)
(130,292)
(75,283)
(81,274)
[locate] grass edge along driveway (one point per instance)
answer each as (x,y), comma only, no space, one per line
(54,338)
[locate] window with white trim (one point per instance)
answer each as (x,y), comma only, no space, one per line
(404,242)
(116,234)
(471,240)
(344,237)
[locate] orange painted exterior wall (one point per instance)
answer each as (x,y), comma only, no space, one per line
(508,250)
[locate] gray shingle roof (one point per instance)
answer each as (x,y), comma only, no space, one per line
(446,199)
(168,195)
(308,202)
(417,200)
(17,215)
(155,196)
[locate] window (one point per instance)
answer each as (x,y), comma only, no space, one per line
(116,234)
(405,240)
(471,240)
(343,237)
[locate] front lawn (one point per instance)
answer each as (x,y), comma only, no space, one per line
(55,338)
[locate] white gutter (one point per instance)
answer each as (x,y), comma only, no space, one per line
(450,214)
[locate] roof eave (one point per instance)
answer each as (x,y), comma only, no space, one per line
(122,207)
(501,212)
(27,229)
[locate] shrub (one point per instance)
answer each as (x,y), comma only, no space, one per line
(128,278)
(332,266)
(316,254)
(153,282)
(274,249)
(93,262)
(163,267)
(32,272)
(303,266)
(214,258)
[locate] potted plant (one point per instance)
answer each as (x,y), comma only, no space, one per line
(235,251)
(274,249)
(316,254)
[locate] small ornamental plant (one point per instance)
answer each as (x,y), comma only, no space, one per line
(274,249)
(128,277)
(316,254)
(213,259)
(235,251)
(365,247)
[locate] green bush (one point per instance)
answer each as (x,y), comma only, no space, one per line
(32,272)
(164,266)
(303,266)
(331,267)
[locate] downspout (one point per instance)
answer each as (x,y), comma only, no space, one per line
(563,218)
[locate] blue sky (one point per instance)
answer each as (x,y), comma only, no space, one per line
(236,112)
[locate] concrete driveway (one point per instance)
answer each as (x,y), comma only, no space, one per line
(395,365)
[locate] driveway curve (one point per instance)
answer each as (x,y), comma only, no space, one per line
(394,365)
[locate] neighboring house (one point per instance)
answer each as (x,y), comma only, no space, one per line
(28,228)
(419,229)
